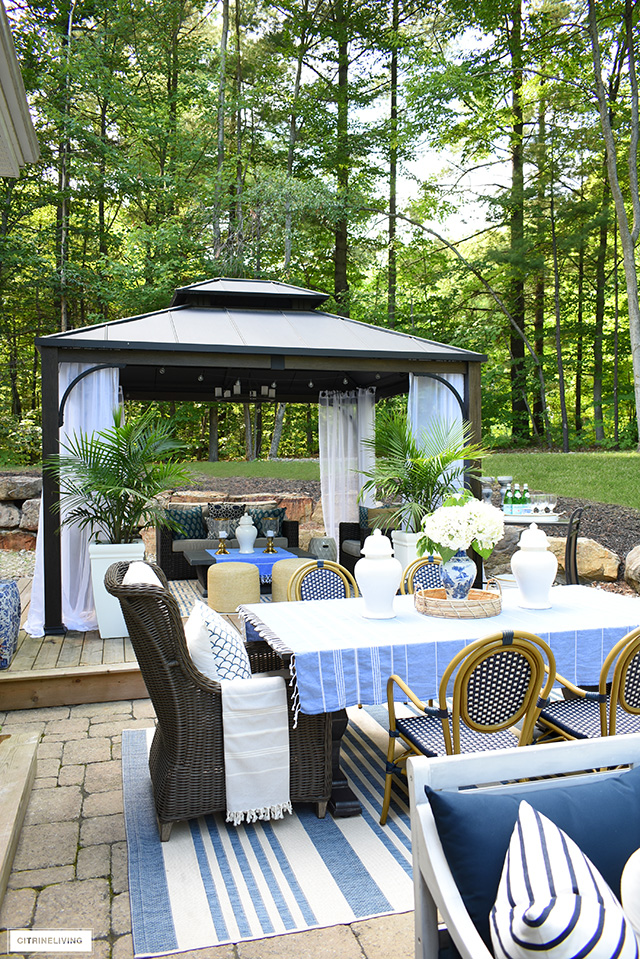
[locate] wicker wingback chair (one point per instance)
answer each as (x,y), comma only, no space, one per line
(321,579)
(186,760)
(422,573)
(614,708)
(498,682)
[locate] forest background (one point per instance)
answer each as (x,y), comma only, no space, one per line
(438,167)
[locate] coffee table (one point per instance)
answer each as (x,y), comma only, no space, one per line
(202,559)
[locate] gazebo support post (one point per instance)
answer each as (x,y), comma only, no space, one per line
(52,564)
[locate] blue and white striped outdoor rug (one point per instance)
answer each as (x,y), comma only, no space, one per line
(215,883)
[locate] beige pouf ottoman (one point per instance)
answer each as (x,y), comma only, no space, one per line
(282,572)
(229,584)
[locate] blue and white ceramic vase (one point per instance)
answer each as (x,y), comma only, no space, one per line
(458,575)
(9,621)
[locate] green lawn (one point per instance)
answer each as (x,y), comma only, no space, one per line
(602,477)
(276,469)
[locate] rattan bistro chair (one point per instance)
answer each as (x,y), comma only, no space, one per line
(498,682)
(422,573)
(321,579)
(614,708)
(186,760)
(571,576)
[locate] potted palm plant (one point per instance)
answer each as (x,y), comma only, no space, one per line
(110,481)
(416,475)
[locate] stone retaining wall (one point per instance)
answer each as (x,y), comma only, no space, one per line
(19,511)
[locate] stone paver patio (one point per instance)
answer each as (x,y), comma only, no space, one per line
(70,868)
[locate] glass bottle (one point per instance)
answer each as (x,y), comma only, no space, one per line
(517,501)
(507,506)
(526,499)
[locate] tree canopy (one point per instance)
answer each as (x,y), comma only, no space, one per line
(341,146)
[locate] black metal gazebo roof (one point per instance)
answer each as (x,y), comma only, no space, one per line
(238,340)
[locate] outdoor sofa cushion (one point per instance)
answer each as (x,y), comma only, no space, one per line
(215,646)
(552,901)
(475,829)
(140,573)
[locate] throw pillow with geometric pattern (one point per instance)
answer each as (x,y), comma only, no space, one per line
(269,518)
(224,516)
(191,520)
(215,646)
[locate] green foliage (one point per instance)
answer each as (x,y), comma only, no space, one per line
(20,440)
(416,475)
(110,479)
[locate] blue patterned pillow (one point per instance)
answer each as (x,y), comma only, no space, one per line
(191,520)
(266,518)
(215,646)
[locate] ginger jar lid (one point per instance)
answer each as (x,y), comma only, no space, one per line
(377,546)
(246,520)
(533,538)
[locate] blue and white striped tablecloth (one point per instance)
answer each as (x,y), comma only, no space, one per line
(341,659)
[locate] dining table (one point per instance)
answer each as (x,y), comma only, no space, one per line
(338,658)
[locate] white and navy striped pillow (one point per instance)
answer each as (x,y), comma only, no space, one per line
(552,901)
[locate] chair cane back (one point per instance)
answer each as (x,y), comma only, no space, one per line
(422,573)
(186,759)
(613,709)
(571,577)
(321,579)
(498,682)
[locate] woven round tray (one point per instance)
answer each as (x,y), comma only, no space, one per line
(478,604)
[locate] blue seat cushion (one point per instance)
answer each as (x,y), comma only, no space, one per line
(602,817)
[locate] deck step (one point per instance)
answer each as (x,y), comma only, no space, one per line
(17,772)
(33,688)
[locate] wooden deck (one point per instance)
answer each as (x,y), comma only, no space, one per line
(69,669)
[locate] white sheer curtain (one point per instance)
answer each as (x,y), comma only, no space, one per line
(89,407)
(431,400)
(344,420)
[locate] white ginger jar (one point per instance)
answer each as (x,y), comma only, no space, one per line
(534,567)
(378,576)
(246,534)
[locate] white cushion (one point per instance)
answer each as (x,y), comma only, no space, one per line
(630,890)
(552,901)
(140,574)
(215,646)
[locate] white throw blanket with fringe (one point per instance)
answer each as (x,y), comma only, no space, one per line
(256,748)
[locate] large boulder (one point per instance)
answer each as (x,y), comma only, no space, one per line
(298,506)
(20,487)
(632,569)
(9,516)
(595,562)
(30,514)
(500,560)
(18,539)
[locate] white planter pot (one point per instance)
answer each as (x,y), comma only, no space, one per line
(405,546)
(110,619)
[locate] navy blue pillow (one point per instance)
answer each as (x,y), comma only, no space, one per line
(602,817)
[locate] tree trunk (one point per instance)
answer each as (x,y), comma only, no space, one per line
(628,236)
(539,292)
(579,339)
(556,297)
(217,212)
(248,432)
(340,281)
(393,170)
(520,422)
(277,430)
(601,260)
(214,436)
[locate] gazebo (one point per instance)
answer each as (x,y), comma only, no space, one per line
(241,341)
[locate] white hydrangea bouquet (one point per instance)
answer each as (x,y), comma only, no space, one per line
(462,521)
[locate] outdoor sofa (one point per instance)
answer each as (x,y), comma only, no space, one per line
(199,533)
(463,809)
